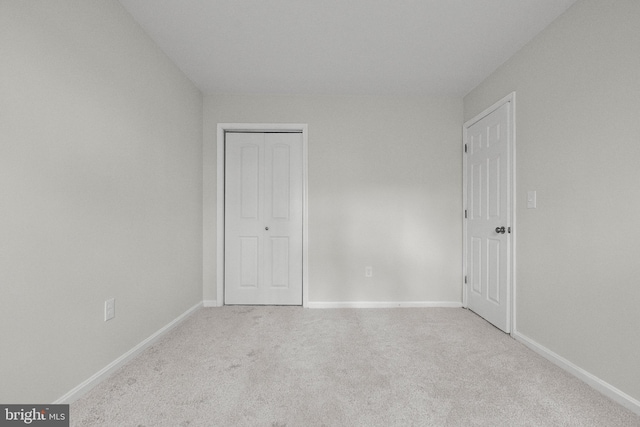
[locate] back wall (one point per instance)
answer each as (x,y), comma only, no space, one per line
(384,191)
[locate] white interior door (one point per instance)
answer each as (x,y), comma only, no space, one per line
(263,218)
(488,224)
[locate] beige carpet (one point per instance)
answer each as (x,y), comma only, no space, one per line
(288,366)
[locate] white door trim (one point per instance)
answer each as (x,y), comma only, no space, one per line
(511,98)
(260,127)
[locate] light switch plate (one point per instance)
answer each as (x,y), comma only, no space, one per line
(109,309)
(531,200)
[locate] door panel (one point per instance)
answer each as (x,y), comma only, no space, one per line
(494,187)
(279,266)
(281,201)
(249,181)
(263,218)
(249,262)
(488,201)
(475,267)
(493,270)
(476,190)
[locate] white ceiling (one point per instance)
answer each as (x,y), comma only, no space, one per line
(443,47)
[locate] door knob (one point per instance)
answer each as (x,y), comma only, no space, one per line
(500,230)
(267,228)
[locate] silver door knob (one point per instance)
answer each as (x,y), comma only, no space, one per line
(267,228)
(500,230)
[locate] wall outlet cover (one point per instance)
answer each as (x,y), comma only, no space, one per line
(531,199)
(109,309)
(368,271)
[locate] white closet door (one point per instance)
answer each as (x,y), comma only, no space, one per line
(263,218)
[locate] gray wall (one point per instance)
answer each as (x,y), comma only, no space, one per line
(100,184)
(384,190)
(578,145)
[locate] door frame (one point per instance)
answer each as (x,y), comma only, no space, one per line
(260,127)
(511,192)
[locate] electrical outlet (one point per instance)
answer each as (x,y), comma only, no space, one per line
(368,271)
(109,309)
(531,200)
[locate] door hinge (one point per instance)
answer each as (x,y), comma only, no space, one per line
(465,213)
(509,230)
(465,148)
(465,280)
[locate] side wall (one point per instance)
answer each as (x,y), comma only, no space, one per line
(384,191)
(100,177)
(578,145)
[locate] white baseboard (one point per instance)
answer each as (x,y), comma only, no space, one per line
(384,304)
(210,303)
(603,387)
(104,373)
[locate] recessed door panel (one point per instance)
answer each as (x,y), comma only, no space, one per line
(493,187)
(476,186)
(476,265)
(279,262)
(493,270)
(281,196)
(493,134)
(249,262)
(476,141)
(249,181)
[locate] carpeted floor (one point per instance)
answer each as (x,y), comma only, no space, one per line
(288,366)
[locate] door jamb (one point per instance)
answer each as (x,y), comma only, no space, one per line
(511,194)
(260,127)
